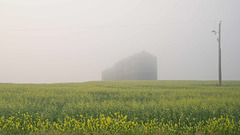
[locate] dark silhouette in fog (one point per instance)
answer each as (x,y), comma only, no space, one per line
(141,66)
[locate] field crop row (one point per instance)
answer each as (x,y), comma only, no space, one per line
(167,107)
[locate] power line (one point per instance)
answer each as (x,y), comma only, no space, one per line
(116,26)
(105,26)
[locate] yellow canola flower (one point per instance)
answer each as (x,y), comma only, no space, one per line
(113,124)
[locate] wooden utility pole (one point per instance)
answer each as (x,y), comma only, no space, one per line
(219,57)
(219,54)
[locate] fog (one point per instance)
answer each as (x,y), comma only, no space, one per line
(49,41)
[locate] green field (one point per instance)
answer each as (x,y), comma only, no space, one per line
(121,107)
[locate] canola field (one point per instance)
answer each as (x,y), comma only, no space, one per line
(121,107)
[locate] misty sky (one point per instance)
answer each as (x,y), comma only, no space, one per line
(48,41)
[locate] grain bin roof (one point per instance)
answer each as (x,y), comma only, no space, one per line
(143,54)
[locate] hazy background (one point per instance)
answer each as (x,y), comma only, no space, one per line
(47,41)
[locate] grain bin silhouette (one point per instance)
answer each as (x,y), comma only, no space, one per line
(141,66)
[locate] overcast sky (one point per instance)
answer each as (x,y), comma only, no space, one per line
(48,41)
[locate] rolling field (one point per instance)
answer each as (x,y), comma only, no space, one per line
(121,107)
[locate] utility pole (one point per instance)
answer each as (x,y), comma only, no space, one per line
(219,57)
(219,54)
